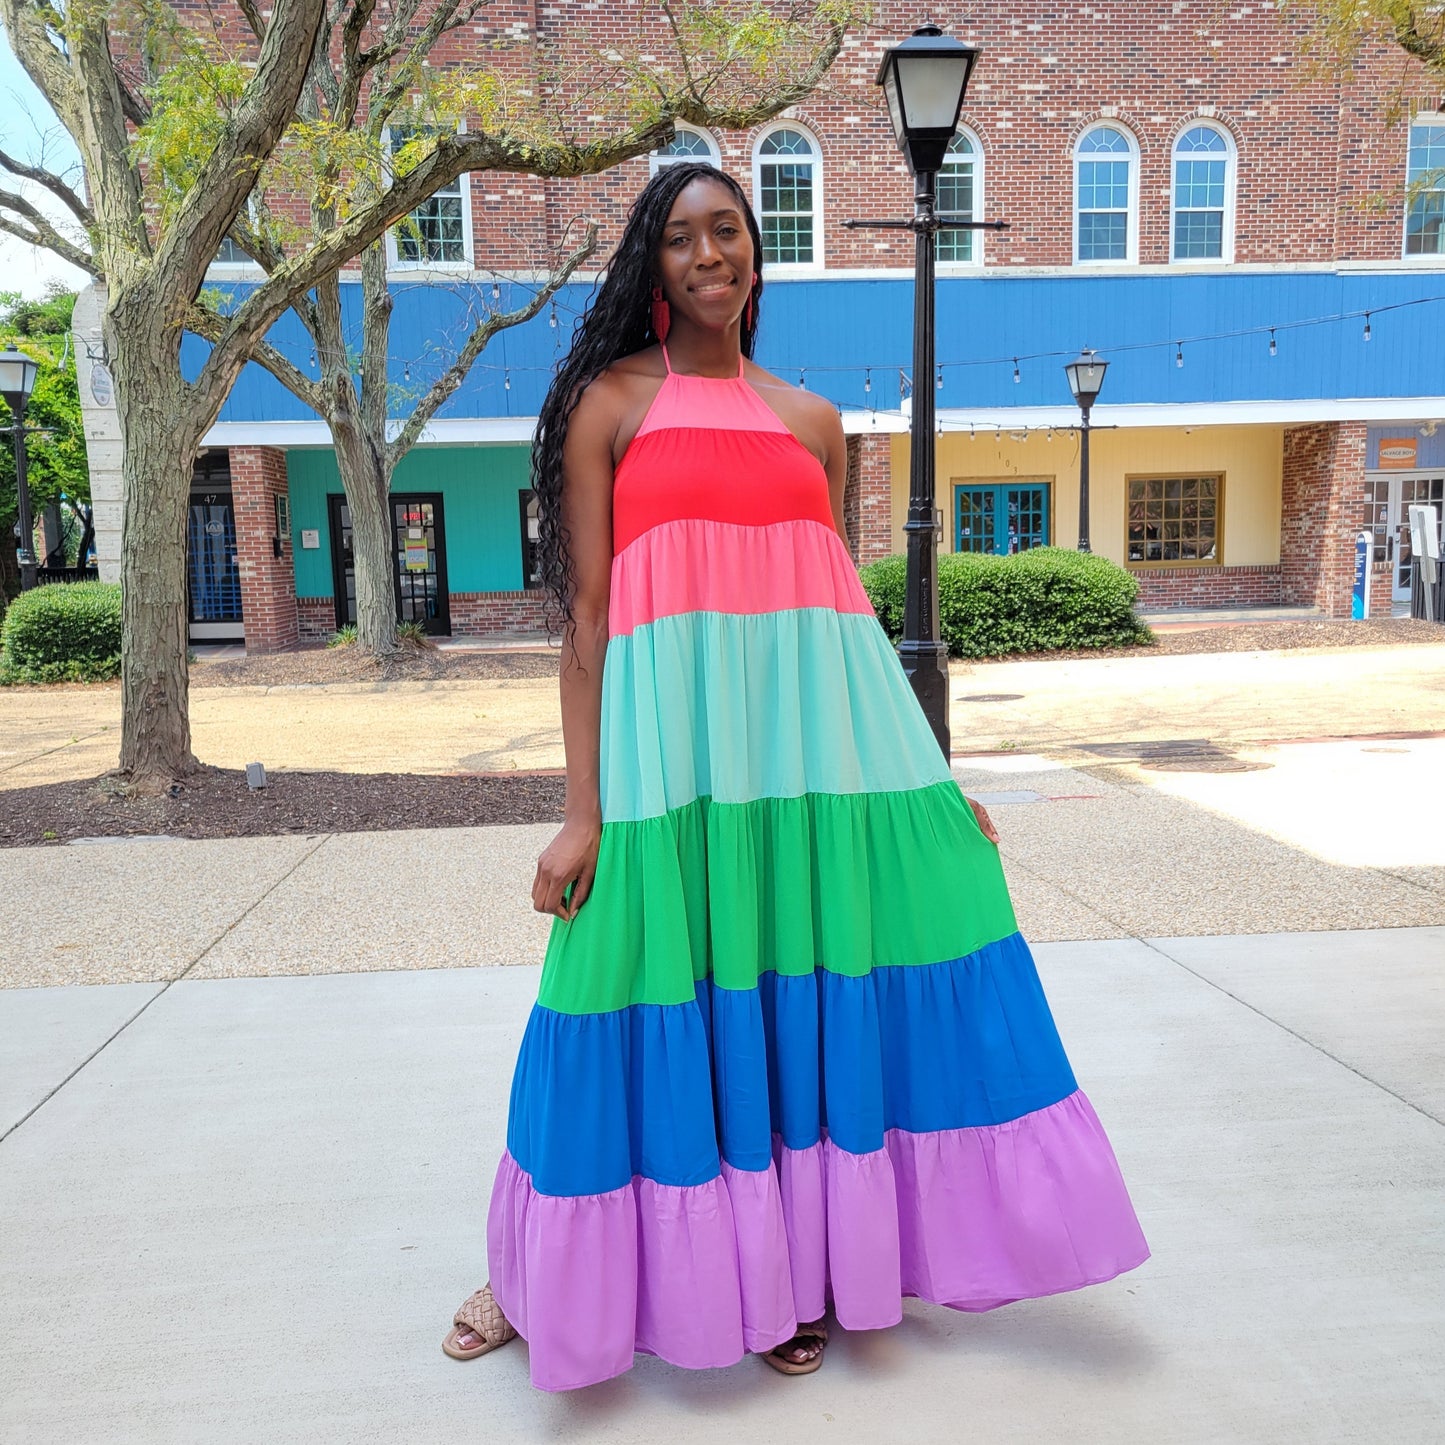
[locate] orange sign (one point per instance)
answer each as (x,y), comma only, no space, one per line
(1399,454)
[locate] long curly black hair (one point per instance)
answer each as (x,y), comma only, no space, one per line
(617,322)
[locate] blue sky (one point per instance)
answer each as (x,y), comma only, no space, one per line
(28,130)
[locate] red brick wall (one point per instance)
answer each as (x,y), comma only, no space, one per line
(1312,151)
(316,616)
(1321,495)
(268,582)
(868,499)
(480,614)
(1208,587)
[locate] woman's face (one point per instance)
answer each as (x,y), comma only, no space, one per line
(705,262)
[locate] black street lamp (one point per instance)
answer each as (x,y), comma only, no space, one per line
(924,79)
(1086,380)
(17,381)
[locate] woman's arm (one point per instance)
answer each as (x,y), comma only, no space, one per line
(587,516)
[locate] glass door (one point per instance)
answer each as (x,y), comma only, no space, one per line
(213,580)
(1002,518)
(419,568)
(1406,492)
(421,584)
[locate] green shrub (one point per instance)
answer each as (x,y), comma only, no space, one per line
(343,636)
(63,632)
(1041,600)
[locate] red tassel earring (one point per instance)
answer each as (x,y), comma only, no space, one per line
(661,314)
(748,312)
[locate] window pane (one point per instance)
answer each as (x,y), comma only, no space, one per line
(1198,235)
(955,196)
(788,239)
(1103,237)
(786,194)
(786,143)
(1103,185)
(1172,519)
(685,145)
(1425,206)
(434,232)
(1105,138)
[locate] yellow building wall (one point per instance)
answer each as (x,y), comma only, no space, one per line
(1249,458)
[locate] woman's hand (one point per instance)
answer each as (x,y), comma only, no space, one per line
(985,823)
(570,857)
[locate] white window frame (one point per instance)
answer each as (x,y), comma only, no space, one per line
(791,268)
(952,267)
(1131,220)
(656,160)
(1433,119)
(247,266)
(394,261)
(1231,170)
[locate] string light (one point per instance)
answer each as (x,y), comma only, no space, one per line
(1179,353)
(507,380)
(867,380)
(496,290)
(1273,345)
(552,317)
(1367,326)
(938,385)
(1017,377)
(406,371)
(803,377)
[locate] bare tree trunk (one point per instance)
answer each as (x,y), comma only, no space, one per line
(368,494)
(358,432)
(159,449)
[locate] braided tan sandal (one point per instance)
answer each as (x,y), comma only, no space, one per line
(483,1316)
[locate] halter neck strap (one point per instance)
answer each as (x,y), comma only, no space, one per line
(667,362)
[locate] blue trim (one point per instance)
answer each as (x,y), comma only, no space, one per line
(993,315)
(658,1090)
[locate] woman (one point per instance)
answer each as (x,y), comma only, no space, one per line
(790,1051)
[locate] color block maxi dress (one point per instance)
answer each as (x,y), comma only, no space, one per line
(793,1049)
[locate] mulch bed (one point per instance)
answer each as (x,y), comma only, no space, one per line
(319,665)
(216,803)
(1259,637)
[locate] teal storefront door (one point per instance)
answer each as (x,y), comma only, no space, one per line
(1000,518)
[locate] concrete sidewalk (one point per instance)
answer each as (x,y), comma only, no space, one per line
(1054,707)
(248,1216)
(1106,851)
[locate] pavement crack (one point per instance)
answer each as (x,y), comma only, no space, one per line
(1293,1033)
(162,990)
(59,748)
(1153,946)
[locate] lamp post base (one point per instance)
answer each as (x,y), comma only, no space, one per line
(925,664)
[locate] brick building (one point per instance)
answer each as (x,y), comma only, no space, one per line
(1236,238)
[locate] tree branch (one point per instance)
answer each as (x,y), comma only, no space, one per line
(445,387)
(228,174)
(26,28)
(210,325)
(41,233)
(53,184)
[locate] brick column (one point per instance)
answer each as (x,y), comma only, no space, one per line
(1320,512)
(868,498)
(268,582)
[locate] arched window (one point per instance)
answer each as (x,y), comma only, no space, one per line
(960,191)
(1203,187)
(1425,189)
(785,186)
(687,145)
(1106,185)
